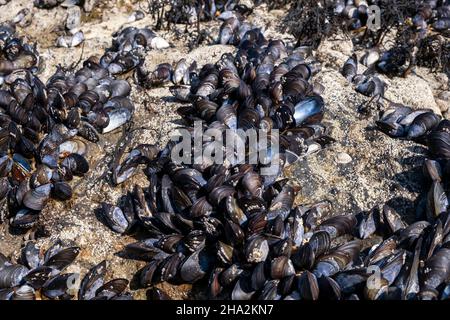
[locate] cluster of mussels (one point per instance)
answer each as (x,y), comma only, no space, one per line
(40,152)
(422,37)
(423,30)
(87,5)
(128,49)
(233,28)
(236,233)
(188,11)
(40,275)
(368,83)
(430,235)
(14,54)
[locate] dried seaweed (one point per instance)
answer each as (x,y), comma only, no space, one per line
(311,21)
(434,53)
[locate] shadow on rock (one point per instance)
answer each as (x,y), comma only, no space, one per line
(404,207)
(412,180)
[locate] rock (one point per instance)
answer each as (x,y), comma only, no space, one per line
(89,5)
(443,104)
(437,81)
(382,169)
(412,91)
(73,18)
(335,52)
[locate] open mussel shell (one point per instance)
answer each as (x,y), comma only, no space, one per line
(72,146)
(117,118)
(309,110)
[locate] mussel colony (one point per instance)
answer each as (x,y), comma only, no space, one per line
(41,153)
(40,274)
(227,229)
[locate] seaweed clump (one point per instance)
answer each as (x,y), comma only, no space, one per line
(311,21)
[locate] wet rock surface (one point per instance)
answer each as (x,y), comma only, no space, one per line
(364,168)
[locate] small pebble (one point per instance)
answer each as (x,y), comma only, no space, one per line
(343,158)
